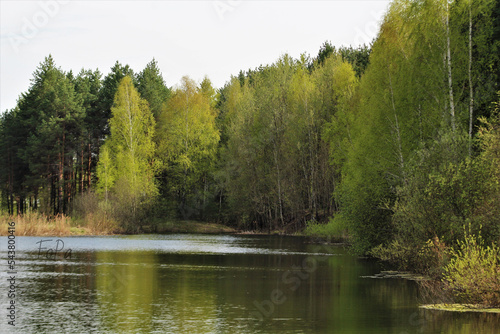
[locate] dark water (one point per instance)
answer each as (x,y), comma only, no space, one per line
(212,284)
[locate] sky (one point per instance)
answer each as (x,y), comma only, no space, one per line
(194,38)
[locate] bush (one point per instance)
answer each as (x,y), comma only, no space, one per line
(473,273)
(427,259)
(96,216)
(444,190)
(334,229)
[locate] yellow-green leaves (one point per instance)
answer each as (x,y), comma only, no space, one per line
(188,126)
(131,123)
(188,138)
(125,164)
(106,172)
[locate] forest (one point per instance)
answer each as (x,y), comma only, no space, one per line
(395,145)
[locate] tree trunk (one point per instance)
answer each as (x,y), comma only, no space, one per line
(89,166)
(471,91)
(59,182)
(450,77)
(398,132)
(61,175)
(81,170)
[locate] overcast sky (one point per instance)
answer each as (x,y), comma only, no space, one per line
(194,38)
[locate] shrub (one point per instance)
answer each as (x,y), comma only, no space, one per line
(427,259)
(473,273)
(96,216)
(334,229)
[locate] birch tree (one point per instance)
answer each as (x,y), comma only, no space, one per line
(131,146)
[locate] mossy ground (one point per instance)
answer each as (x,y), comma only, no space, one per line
(460,308)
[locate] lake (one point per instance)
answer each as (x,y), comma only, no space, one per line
(211,284)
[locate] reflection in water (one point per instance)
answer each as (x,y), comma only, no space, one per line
(219,284)
(125,285)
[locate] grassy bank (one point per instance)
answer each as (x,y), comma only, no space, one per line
(60,225)
(42,225)
(187,226)
(333,231)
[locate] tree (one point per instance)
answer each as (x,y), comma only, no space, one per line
(276,169)
(131,148)
(188,143)
(408,173)
(359,58)
(402,98)
(151,86)
(13,169)
(87,85)
(106,97)
(54,114)
(106,173)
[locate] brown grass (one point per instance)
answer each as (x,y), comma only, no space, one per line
(100,224)
(35,224)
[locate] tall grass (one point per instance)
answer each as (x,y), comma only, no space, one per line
(37,224)
(334,230)
(87,218)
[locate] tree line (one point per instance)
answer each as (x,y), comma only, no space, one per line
(394,142)
(415,166)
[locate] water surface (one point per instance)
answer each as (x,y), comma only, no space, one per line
(212,284)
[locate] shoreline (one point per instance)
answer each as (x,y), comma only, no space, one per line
(65,226)
(462,308)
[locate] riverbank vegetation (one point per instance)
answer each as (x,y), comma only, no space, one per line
(35,224)
(395,145)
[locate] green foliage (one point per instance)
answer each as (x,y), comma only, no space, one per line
(88,85)
(333,230)
(427,258)
(359,58)
(127,157)
(188,144)
(152,88)
(489,135)
(473,274)
(373,136)
(106,97)
(442,193)
(106,172)
(444,190)
(52,115)
(407,170)
(276,162)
